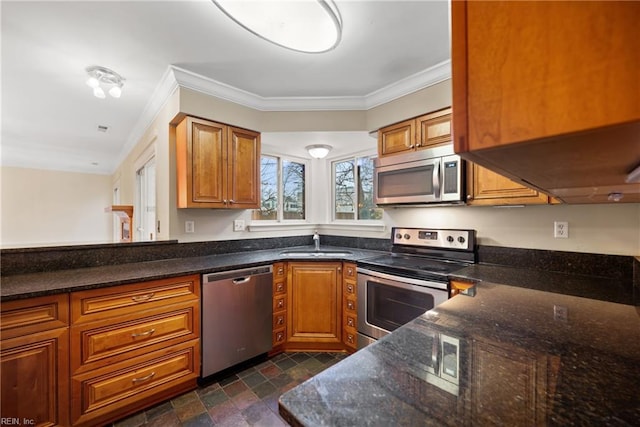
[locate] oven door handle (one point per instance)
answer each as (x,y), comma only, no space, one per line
(403,280)
(435,353)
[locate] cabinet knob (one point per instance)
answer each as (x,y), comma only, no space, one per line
(412,146)
(469,197)
(231,201)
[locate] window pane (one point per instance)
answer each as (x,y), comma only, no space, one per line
(345,190)
(293,190)
(366,208)
(269,190)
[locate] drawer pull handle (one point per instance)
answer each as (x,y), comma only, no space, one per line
(143,298)
(146,378)
(143,334)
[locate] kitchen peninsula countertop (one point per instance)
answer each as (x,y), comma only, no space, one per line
(522,363)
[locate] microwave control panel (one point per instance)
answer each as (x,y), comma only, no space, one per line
(434,238)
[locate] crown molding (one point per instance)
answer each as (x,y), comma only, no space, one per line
(421,80)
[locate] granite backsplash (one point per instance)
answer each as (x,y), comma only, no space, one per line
(35,260)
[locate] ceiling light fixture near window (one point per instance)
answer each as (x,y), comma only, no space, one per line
(318,151)
(100,77)
(310,26)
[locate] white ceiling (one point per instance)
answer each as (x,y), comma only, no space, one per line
(50,117)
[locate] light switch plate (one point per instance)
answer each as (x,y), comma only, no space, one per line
(189,227)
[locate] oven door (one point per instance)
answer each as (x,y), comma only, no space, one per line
(386,302)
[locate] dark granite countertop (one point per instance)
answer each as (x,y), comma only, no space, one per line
(36,284)
(519,365)
(600,288)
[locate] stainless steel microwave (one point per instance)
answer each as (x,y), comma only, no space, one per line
(428,176)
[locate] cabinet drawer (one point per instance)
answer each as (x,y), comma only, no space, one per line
(27,316)
(101,343)
(279,336)
(279,288)
(350,321)
(279,303)
(350,305)
(100,394)
(279,320)
(279,271)
(97,304)
(350,288)
(349,271)
(350,339)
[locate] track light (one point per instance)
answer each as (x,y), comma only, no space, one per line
(101,76)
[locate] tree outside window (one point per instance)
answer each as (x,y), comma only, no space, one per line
(353,190)
(282,190)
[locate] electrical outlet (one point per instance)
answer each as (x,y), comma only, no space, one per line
(238,225)
(561,229)
(189,227)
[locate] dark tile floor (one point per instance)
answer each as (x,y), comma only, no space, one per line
(245,397)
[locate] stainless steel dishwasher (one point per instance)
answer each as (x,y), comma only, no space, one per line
(236,317)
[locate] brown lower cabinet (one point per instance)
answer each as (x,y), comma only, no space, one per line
(91,357)
(314,306)
(35,361)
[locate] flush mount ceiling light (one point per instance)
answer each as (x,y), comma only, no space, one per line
(310,26)
(100,77)
(318,151)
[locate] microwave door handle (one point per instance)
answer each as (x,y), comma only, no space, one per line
(436,179)
(435,353)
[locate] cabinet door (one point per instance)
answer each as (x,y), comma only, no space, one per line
(574,69)
(397,138)
(433,129)
(200,163)
(243,177)
(314,305)
(35,378)
(487,188)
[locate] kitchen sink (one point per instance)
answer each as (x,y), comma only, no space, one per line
(321,253)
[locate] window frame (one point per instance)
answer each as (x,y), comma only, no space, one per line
(280,220)
(332,215)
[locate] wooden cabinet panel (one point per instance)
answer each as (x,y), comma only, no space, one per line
(350,307)
(217,166)
(556,106)
(105,342)
(487,188)
(396,138)
(96,304)
(133,346)
(34,360)
(243,169)
(433,129)
(34,375)
(22,317)
(279,335)
(313,311)
(98,395)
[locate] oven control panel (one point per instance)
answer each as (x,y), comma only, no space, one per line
(434,238)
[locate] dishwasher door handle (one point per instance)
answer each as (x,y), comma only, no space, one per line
(241,280)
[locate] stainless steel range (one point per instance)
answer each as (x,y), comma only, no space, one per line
(396,288)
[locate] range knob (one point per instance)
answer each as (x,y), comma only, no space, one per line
(398,236)
(407,236)
(461,239)
(450,239)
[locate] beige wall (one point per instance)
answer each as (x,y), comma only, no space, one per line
(42,207)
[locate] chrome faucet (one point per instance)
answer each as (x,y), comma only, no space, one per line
(316,240)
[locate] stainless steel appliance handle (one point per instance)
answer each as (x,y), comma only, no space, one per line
(436,179)
(241,280)
(436,353)
(403,280)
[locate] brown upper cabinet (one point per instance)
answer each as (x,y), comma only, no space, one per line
(548,94)
(487,188)
(217,165)
(422,132)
